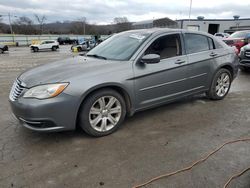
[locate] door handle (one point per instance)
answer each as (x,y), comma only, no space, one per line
(213,54)
(179,61)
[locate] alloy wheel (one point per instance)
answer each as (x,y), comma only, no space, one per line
(222,84)
(105,113)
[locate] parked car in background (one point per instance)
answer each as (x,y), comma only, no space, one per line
(245,58)
(222,35)
(129,72)
(84,46)
(238,39)
(45,45)
(66,40)
(3,48)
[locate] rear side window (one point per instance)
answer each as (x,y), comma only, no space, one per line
(196,43)
(219,35)
(210,43)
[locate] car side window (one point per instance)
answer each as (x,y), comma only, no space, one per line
(211,43)
(196,43)
(166,46)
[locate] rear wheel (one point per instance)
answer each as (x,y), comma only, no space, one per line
(102,113)
(1,51)
(79,49)
(35,49)
(221,85)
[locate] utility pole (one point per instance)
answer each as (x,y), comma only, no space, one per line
(190,9)
(84,24)
(10,25)
(11,30)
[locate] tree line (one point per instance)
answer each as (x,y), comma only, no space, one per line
(37,25)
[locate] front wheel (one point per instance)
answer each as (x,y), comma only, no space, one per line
(35,49)
(102,113)
(244,69)
(221,85)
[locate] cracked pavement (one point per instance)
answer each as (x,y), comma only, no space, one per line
(150,143)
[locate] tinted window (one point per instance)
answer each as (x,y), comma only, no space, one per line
(240,34)
(166,46)
(219,35)
(196,43)
(120,46)
(210,43)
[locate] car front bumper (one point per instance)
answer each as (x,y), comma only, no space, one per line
(245,62)
(48,115)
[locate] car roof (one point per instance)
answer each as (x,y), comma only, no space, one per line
(157,31)
(242,31)
(48,40)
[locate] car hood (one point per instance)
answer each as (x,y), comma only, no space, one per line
(246,47)
(62,71)
(234,39)
(34,45)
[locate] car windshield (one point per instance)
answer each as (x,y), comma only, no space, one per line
(239,34)
(120,46)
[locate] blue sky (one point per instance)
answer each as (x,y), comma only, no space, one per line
(103,11)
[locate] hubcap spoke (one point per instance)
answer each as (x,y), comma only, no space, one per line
(95,121)
(104,124)
(94,110)
(111,119)
(111,102)
(217,87)
(102,103)
(226,78)
(115,110)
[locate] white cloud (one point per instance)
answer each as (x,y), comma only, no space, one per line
(103,11)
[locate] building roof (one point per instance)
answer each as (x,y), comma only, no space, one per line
(143,22)
(213,19)
(152,21)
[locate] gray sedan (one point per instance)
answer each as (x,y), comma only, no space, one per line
(129,72)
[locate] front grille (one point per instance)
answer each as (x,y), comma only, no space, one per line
(247,53)
(16,90)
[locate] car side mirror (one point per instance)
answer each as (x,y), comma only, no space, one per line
(151,59)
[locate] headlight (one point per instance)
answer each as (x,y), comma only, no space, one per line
(45,91)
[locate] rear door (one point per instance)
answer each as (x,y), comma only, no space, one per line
(200,61)
(163,81)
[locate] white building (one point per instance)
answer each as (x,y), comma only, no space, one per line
(213,26)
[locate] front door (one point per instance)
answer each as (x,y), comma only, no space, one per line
(163,81)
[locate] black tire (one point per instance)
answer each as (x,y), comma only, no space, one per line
(212,94)
(35,49)
(84,113)
(1,51)
(54,48)
(79,49)
(244,69)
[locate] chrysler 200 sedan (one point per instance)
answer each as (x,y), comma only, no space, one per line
(129,72)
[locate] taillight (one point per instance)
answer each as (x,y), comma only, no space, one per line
(239,43)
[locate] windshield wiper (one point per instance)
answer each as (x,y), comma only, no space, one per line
(96,56)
